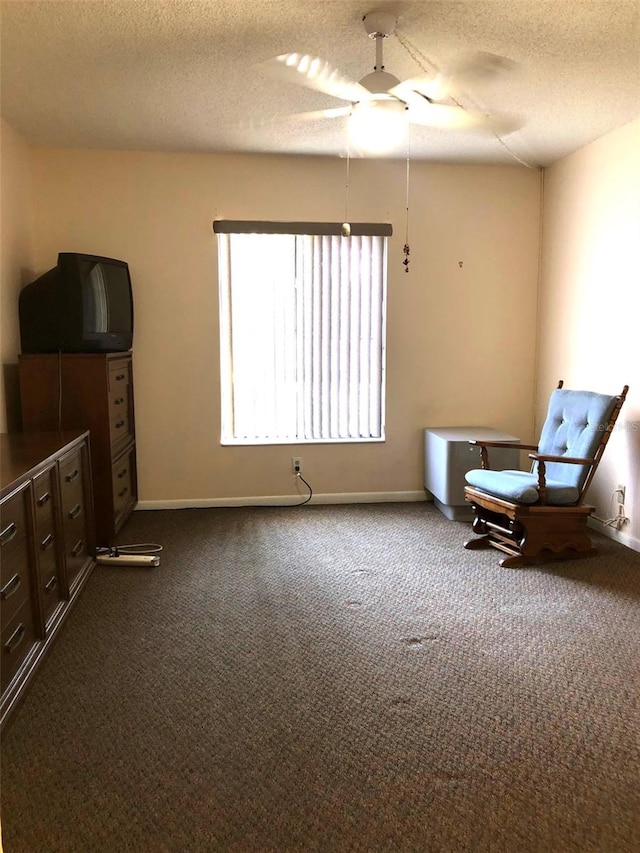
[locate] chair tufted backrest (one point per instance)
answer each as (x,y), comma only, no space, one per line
(575,426)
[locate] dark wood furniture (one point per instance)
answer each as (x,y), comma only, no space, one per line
(546,528)
(89,391)
(46,547)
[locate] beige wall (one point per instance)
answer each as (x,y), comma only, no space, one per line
(461,339)
(16,261)
(590,298)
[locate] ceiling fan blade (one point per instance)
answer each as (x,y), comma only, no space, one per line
(477,68)
(314,115)
(260,122)
(315,73)
(456,118)
(480,67)
(431,86)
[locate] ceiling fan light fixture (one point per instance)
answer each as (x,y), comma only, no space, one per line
(378,125)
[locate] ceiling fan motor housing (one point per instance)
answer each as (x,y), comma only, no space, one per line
(379,82)
(379,24)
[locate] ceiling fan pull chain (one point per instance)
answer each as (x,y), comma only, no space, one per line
(418,57)
(346,225)
(406,248)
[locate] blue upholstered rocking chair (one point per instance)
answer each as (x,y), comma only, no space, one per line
(540,515)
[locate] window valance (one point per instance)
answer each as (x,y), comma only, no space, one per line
(250,226)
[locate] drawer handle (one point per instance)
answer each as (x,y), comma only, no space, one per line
(72,475)
(120,424)
(120,377)
(52,584)
(47,542)
(44,499)
(122,473)
(119,401)
(16,638)
(10,587)
(75,512)
(77,548)
(8,533)
(123,492)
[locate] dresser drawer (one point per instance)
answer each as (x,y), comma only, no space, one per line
(74,513)
(46,552)
(13,521)
(16,581)
(44,491)
(17,639)
(120,431)
(124,479)
(120,403)
(48,543)
(71,480)
(119,375)
(51,595)
(15,557)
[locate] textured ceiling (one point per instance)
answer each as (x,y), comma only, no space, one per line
(184,75)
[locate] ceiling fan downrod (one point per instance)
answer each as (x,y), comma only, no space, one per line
(379,26)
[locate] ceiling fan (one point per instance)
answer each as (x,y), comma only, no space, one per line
(381,106)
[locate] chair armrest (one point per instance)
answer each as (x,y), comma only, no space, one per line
(484,456)
(482,443)
(541,458)
(572,460)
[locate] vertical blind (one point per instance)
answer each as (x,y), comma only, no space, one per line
(302,331)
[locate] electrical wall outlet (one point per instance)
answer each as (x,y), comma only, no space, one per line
(296,465)
(621,491)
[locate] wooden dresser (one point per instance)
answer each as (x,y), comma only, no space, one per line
(91,391)
(47,546)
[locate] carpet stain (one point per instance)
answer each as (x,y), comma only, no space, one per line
(417,642)
(402,701)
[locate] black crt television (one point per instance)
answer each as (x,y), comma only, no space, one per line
(83,304)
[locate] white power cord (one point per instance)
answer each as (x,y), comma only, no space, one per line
(616,521)
(144,548)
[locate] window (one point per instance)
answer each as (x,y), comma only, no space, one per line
(302,331)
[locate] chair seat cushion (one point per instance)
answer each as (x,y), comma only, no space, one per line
(521,487)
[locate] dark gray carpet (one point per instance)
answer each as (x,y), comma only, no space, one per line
(333,678)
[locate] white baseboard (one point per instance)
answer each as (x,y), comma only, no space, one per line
(287,500)
(623,538)
(344,498)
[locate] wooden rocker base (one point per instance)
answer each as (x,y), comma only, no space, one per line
(516,560)
(528,534)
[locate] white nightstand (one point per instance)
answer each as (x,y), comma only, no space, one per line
(447,458)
